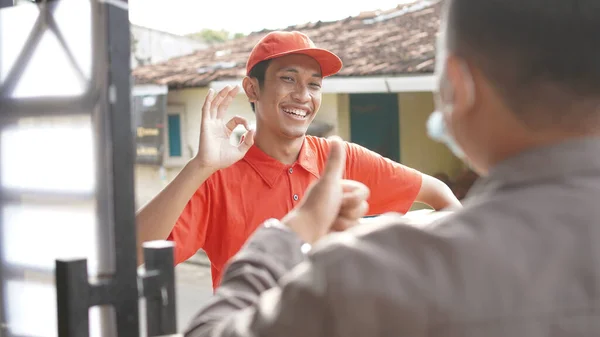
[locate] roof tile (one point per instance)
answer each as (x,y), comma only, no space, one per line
(377,43)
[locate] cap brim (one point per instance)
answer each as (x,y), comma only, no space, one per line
(330,63)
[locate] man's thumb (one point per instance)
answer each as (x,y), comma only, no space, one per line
(336,162)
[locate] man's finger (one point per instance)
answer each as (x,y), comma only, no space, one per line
(222,108)
(235,121)
(349,185)
(353,193)
(341,224)
(336,162)
(353,199)
(353,187)
(356,212)
(218,100)
(208,103)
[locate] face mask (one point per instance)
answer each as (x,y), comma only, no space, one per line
(438,131)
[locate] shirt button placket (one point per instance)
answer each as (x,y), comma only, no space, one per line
(295,196)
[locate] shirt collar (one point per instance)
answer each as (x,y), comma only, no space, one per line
(569,158)
(270,169)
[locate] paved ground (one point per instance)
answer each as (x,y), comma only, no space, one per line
(194,287)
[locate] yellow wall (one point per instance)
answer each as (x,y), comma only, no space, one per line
(343,116)
(149,181)
(328,112)
(416,148)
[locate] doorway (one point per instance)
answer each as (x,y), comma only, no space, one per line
(374,123)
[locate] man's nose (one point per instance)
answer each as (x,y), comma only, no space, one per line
(301,93)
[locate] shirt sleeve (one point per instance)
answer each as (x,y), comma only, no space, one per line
(191,229)
(394,187)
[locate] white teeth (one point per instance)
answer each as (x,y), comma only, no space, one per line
(297,112)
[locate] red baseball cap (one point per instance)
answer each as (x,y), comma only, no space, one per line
(278,43)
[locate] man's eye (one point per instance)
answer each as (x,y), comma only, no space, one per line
(316,85)
(286,78)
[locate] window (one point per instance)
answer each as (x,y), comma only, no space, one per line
(174,132)
(148,115)
(175,149)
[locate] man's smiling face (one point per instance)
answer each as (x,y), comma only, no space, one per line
(291,95)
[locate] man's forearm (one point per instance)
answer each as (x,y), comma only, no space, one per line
(156,219)
(268,255)
(445,199)
(437,194)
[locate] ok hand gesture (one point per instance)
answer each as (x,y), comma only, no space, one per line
(215,150)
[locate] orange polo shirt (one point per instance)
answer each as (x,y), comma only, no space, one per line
(233,202)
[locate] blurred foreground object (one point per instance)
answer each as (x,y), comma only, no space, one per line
(68,252)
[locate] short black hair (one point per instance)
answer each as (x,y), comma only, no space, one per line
(258,72)
(540,54)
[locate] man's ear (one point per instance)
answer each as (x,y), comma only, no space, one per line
(251,88)
(460,78)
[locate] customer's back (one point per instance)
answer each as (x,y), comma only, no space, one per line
(521,259)
(519,100)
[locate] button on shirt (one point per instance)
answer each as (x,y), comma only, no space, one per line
(233,202)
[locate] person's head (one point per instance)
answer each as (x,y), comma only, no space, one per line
(284,76)
(514,74)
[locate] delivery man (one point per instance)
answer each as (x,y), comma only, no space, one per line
(225,192)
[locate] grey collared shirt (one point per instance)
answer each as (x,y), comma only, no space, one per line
(521,259)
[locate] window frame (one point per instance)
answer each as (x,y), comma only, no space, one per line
(173,161)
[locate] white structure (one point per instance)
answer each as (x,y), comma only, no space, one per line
(151,46)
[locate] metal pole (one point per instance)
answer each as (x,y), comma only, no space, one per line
(108,101)
(72,298)
(118,286)
(159,288)
(6,3)
(122,161)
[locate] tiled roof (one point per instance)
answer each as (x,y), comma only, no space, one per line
(394,42)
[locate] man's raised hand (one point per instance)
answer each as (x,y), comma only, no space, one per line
(215,150)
